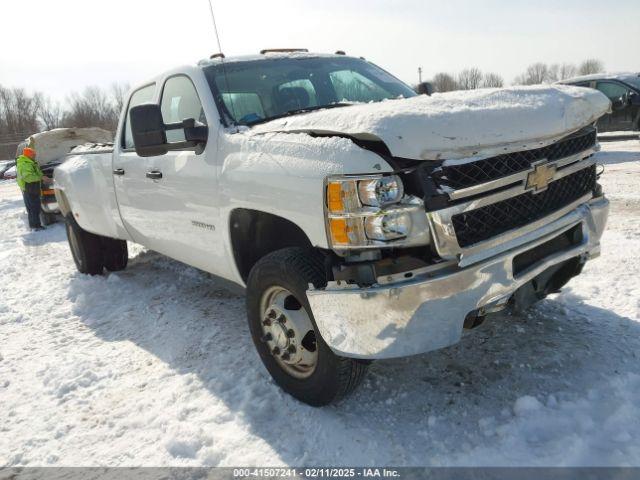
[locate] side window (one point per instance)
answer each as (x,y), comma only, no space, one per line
(143,95)
(612,90)
(179,102)
(354,87)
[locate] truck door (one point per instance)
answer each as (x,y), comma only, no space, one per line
(621,117)
(183,207)
(131,185)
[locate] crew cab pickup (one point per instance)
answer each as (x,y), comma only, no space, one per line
(364,221)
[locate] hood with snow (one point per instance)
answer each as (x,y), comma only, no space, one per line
(458,124)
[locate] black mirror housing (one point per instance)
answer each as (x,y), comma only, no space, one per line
(149,132)
(425,88)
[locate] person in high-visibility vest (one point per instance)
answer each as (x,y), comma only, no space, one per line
(29,178)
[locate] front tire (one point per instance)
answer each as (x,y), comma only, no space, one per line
(285,333)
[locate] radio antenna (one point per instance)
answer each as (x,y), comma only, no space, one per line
(224,70)
(215,28)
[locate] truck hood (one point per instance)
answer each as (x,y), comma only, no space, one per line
(457,124)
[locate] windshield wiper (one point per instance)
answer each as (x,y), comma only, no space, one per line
(298,111)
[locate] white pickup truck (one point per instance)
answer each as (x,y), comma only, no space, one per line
(365,221)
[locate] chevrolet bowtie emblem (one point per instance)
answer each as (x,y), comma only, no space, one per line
(540,177)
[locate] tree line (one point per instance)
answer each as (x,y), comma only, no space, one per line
(23,112)
(536,73)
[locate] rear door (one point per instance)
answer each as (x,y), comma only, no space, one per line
(133,189)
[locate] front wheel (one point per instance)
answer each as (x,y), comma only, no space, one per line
(285,333)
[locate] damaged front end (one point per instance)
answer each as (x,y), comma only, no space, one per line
(474,236)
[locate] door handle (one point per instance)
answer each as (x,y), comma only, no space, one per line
(154,175)
(118,171)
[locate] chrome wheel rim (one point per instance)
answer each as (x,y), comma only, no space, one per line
(288,332)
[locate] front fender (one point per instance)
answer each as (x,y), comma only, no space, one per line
(283,174)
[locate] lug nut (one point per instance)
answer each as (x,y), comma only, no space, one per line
(291,333)
(272,313)
(276,351)
(291,349)
(266,322)
(282,319)
(267,337)
(285,356)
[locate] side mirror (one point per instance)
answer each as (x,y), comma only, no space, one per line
(618,103)
(149,132)
(425,88)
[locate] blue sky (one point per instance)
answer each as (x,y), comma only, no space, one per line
(70,44)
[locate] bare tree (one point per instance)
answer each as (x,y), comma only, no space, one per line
(444,82)
(119,95)
(91,108)
(19,110)
(492,80)
(567,70)
(562,71)
(50,114)
(591,65)
(553,72)
(535,74)
(470,79)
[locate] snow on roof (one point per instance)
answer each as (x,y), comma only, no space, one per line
(459,124)
(600,76)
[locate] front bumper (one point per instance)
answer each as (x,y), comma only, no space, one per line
(48,201)
(428,311)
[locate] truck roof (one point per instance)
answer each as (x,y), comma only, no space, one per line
(218,60)
(602,76)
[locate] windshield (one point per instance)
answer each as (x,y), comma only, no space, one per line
(260,90)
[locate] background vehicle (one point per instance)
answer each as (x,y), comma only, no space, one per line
(365,221)
(623,90)
(10,173)
(51,147)
(4,166)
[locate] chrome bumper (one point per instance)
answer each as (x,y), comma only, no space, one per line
(51,207)
(428,311)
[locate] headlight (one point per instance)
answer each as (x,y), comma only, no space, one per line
(373,211)
(381,191)
(388,226)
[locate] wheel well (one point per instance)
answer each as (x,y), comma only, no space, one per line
(255,234)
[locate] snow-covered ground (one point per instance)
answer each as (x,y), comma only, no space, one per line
(155,366)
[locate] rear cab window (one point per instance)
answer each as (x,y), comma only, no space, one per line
(140,96)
